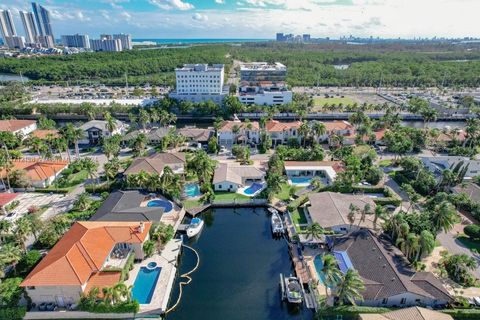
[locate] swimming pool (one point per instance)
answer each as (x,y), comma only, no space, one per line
(318,262)
(300,180)
(192,190)
(253,188)
(166,205)
(144,285)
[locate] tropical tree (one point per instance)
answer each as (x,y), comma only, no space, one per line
(202,165)
(315,231)
(22,231)
(379,213)
(318,129)
(111,168)
(444,216)
(139,144)
(304,131)
(72,134)
(10,255)
(111,123)
(330,271)
(274,182)
(91,167)
(143,118)
(353,209)
(427,244)
(350,288)
(83,201)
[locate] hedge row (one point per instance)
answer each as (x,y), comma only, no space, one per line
(13,313)
(121,307)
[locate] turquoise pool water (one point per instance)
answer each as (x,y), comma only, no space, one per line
(144,285)
(253,188)
(300,180)
(166,205)
(318,262)
(192,190)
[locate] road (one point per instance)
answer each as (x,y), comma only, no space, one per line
(453,246)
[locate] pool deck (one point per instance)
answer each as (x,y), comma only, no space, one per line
(167,260)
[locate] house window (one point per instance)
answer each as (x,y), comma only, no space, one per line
(403,301)
(231,186)
(385,301)
(31,288)
(219,186)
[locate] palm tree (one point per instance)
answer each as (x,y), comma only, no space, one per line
(73,134)
(83,202)
(111,168)
(36,144)
(108,295)
(315,230)
(274,182)
(379,213)
(444,216)
(235,131)
(10,255)
(330,272)
(35,224)
(350,288)
(143,118)
(318,129)
(22,231)
(367,209)
(351,214)
(111,122)
(304,132)
(427,243)
(138,144)
(202,165)
(91,167)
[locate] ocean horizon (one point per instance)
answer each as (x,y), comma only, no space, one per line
(197,40)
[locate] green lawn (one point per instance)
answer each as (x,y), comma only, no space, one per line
(284,194)
(469,243)
(76,178)
(298,216)
(221,196)
(323,101)
(385,163)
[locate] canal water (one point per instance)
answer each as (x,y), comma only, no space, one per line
(238,276)
(12,77)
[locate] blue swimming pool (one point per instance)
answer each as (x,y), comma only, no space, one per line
(253,188)
(144,285)
(301,180)
(318,262)
(166,205)
(192,190)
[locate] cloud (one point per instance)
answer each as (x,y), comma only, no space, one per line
(172,4)
(199,17)
(115,3)
(127,16)
(220,1)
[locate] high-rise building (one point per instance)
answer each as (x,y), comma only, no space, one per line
(15,42)
(28,21)
(126,40)
(280,36)
(106,45)
(45,41)
(263,83)
(7,27)
(306,37)
(106,37)
(76,41)
(200,82)
(42,16)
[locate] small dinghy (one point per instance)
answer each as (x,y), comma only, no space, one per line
(194,227)
(272,210)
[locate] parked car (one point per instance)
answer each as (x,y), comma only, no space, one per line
(51,306)
(42,306)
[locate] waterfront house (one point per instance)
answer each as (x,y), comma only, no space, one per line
(196,135)
(127,206)
(154,136)
(41,173)
(331,210)
(301,172)
(231,177)
(157,162)
(388,277)
(84,258)
(18,127)
(412,313)
(96,130)
(281,132)
(235,131)
(343,129)
(437,164)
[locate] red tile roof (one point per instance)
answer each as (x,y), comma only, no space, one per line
(14,125)
(43,134)
(36,169)
(5,198)
(277,126)
(82,251)
(102,280)
(338,125)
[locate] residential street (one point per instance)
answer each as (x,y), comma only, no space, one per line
(454,246)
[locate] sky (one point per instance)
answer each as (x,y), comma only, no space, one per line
(170,19)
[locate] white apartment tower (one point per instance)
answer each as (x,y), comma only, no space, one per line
(200,82)
(76,41)
(8,31)
(106,45)
(126,40)
(28,21)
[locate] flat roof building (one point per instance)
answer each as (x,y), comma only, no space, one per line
(76,41)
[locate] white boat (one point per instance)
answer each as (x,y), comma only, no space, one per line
(277,224)
(194,227)
(291,289)
(272,210)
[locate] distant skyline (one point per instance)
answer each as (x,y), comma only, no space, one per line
(259,18)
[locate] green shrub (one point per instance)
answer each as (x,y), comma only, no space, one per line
(10,291)
(28,262)
(292,206)
(463,314)
(12,313)
(102,307)
(473,231)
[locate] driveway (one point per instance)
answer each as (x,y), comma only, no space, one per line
(453,246)
(31,199)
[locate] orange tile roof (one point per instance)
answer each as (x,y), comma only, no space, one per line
(5,198)
(448,136)
(43,134)
(338,125)
(14,125)
(102,280)
(228,125)
(82,252)
(277,126)
(36,169)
